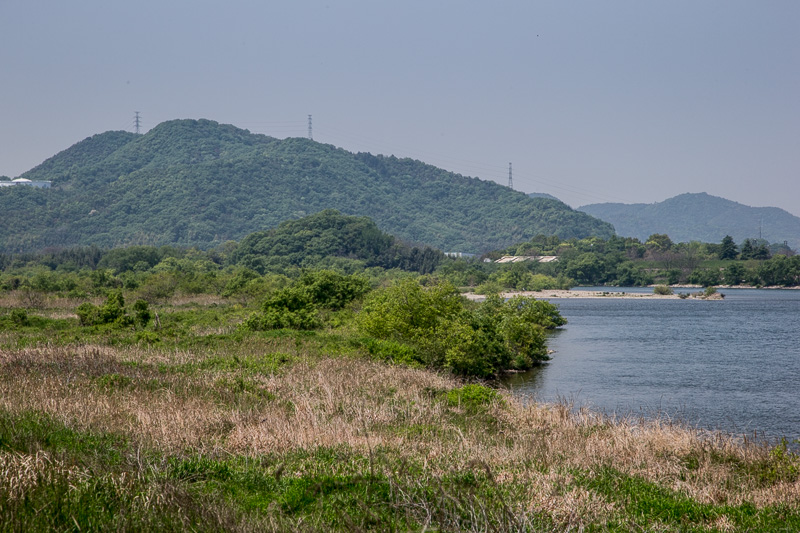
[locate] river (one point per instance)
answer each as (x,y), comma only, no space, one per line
(730,365)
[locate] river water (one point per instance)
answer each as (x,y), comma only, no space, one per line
(730,365)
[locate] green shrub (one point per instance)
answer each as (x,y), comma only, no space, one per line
(87,314)
(142,313)
(705,277)
(489,287)
(663,290)
(296,307)
(283,318)
(710,291)
(113,309)
(236,284)
(331,290)
(391,351)
(445,331)
(158,287)
(473,397)
(19,317)
(113,312)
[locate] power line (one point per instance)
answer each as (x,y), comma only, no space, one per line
(463,166)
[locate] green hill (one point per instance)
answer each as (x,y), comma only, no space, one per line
(200,183)
(699,217)
(311,241)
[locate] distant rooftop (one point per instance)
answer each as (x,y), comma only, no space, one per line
(26,181)
(523,258)
(458,254)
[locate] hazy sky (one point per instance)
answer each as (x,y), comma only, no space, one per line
(592,101)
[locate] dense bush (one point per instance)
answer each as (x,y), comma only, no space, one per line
(297,306)
(705,277)
(113,311)
(446,331)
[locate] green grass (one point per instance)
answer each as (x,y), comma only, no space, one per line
(779,466)
(324,488)
(646,503)
(337,489)
(30,432)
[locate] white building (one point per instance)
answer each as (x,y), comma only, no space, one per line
(523,258)
(25,181)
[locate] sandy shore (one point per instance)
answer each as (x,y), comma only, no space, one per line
(690,289)
(546,295)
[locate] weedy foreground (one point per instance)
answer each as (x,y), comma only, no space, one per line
(195,423)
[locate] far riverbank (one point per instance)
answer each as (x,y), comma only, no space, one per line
(576,294)
(618,292)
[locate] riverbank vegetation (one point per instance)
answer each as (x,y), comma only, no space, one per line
(191,421)
(629,262)
(171,389)
(268,259)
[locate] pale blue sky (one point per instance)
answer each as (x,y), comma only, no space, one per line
(591,101)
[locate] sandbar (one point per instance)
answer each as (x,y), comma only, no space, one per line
(548,294)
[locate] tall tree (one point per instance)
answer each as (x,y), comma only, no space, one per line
(728,248)
(659,241)
(747,249)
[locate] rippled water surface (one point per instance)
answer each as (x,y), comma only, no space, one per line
(732,365)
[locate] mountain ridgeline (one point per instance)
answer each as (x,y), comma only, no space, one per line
(201,183)
(700,217)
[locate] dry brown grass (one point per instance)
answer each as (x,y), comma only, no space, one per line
(371,406)
(26,299)
(652,449)
(19,472)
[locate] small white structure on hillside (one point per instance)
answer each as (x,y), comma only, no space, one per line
(523,258)
(26,181)
(458,254)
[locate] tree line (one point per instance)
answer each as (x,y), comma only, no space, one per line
(626,261)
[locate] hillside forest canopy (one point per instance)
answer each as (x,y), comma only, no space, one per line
(198,183)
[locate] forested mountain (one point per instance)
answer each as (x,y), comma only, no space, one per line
(200,183)
(699,217)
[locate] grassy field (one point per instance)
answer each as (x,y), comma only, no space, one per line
(198,425)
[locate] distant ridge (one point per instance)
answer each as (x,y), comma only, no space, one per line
(542,195)
(700,217)
(201,183)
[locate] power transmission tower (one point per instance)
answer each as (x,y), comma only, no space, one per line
(510,181)
(136,122)
(311,137)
